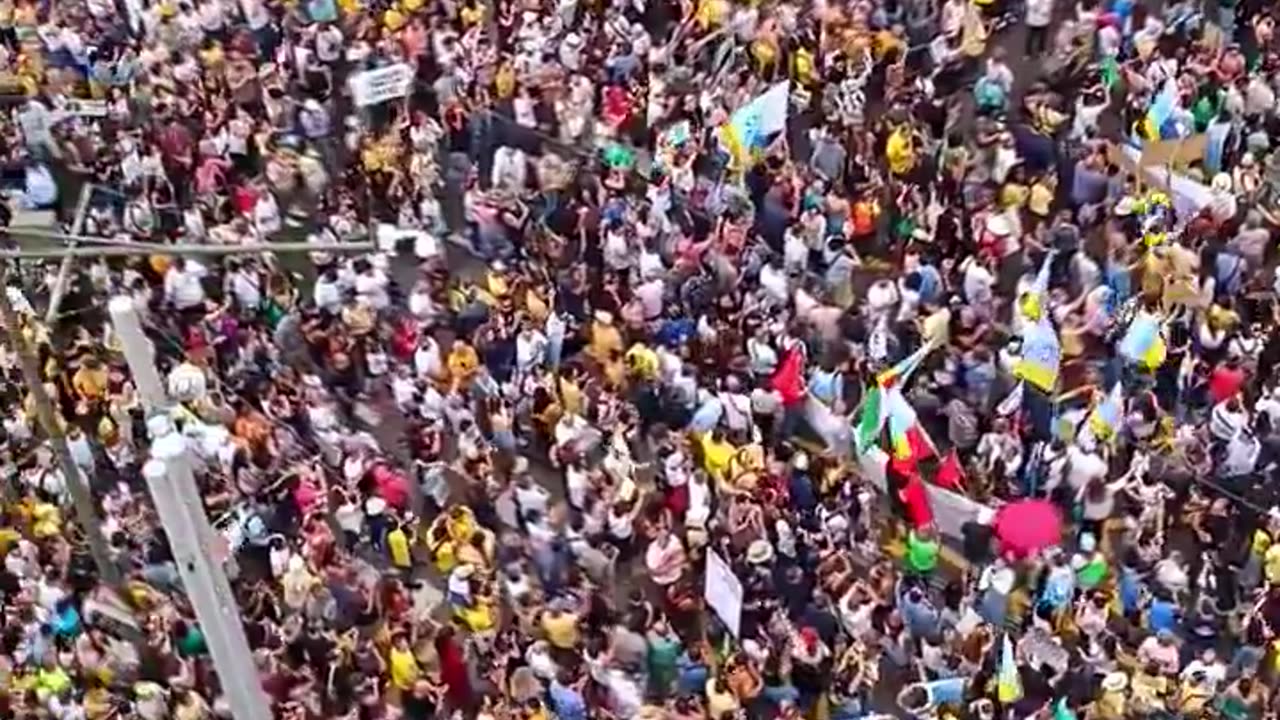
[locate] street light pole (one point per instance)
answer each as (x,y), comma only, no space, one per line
(173,490)
(177,500)
(81,497)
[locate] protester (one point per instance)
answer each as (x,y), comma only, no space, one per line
(712,361)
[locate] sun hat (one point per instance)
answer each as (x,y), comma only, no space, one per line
(759,552)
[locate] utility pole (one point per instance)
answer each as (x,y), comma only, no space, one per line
(64,270)
(192,539)
(81,497)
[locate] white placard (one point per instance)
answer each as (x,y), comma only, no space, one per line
(376,86)
(724,592)
(87,108)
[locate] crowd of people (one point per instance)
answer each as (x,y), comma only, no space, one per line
(657,359)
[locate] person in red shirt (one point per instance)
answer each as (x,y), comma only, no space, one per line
(1226,380)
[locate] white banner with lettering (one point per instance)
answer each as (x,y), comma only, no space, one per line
(377,86)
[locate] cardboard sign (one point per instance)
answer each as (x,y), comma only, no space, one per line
(372,87)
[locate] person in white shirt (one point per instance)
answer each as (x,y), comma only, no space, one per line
(244,284)
(1210,670)
(1039,15)
(371,285)
(328,291)
(1084,467)
(531,349)
(182,284)
(977,282)
(531,498)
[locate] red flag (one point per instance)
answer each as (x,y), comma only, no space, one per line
(788,378)
(950,473)
(920,447)
(916,499)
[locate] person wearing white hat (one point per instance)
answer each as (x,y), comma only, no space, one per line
(759,552)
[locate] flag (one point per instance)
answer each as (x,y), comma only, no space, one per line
(906,436)
(871,420)
(751,125)
(1036,298)
(884,395)
(1012,402)
(915,498)
(1142,343)
(1008,683)
(1109,72)
(950,474)
(1104,420)
(898,374)
(788,378)
(1162,108)
(1041,356)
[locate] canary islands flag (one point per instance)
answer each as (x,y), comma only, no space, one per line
(1162,108)
(1008,683)
(751,125)
(1104,421)
(1143,343)
(1041,356)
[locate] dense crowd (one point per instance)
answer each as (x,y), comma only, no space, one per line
(713,359)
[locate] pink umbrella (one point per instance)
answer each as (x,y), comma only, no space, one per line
(1026,526)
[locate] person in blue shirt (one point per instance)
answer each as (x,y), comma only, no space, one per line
(778,691)
(692,672)
(566,698)
(1162,614)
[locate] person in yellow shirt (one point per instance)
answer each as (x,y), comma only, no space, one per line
(642,363)
(479,617)
(1271,563)
(606,339)
(402,664)
(90,380)
(1015,192)
(46,519)
(448,532)
(900,151)
(721,702)
(399,542)
(570,392)
(393,19)
(717,453)
(614,370)
(1040,200)
(463,362)
(51,680)
(472,14)
(711,13)
(561,628)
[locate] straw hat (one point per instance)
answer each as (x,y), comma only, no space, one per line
(1115,682)
(759,552)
